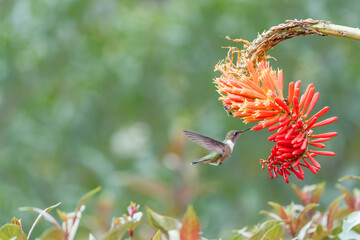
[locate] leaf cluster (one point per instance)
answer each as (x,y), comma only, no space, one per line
(296,221)
(306,220)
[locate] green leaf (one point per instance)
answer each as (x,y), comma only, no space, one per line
(275,232)
(86,197)
(11,231)
(349,199)
(304,211)
(157,236)
(352,235)
(53,234)
(356,228)
(320,233)
(336,230)
(91,237)
(350,222)
(62,215)
(299,193)
(42,213)
(270,215)
(349,177)
(163,223)
(116,234)
(190,229)
(318,192)
(16,221)
(280,210)
(264,228)
(303,231)
(237,237)
(242,234)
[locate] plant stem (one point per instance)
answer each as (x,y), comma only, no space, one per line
(257,49)
(337,30)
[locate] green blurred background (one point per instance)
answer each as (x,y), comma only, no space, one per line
(98,92)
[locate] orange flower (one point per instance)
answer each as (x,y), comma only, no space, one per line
(251,96)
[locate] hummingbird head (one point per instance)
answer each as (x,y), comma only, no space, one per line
(234,135)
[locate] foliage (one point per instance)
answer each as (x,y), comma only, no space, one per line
(297,221)
(307,221)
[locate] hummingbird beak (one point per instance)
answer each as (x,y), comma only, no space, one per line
(244,130)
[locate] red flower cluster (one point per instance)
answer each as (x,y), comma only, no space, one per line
(295,135)
(257,95)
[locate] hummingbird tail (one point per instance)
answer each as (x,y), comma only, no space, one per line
(198,161)
(218,163)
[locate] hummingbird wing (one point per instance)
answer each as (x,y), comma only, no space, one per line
(205,142)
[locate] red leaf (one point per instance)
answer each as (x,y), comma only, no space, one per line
(333,209)
(190,229)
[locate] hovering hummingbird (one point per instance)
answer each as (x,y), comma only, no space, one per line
(220,150)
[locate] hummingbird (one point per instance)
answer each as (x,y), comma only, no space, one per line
(220,150)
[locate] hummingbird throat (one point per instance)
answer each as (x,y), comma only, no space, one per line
(231,144)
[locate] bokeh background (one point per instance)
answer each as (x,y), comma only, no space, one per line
(97,93)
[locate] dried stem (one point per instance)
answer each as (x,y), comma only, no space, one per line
(256,50)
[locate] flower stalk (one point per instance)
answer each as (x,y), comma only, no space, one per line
(337,30)
(292,28)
